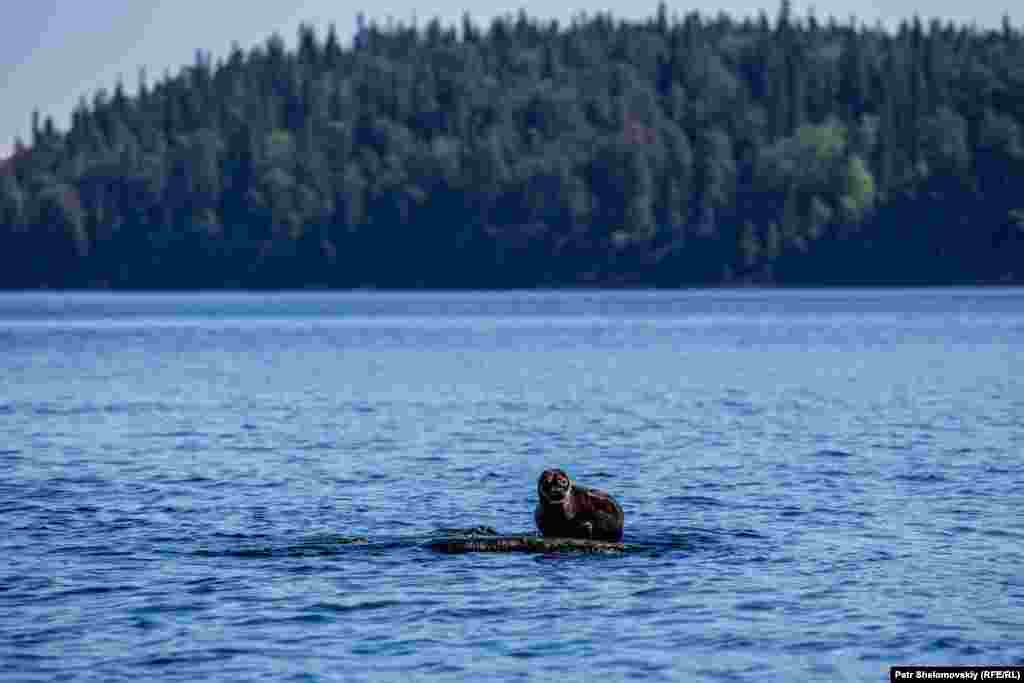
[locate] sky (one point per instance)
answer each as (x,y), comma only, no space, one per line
(53,52)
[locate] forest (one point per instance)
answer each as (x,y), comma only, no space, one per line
(678,151)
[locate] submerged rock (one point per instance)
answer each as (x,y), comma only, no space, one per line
(522,544)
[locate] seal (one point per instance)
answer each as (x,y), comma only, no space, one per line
(567,510)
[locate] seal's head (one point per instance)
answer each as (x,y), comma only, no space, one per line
(554,487)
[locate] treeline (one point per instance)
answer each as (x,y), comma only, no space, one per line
(670,152)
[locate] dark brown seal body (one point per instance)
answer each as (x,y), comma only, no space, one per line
(567,510)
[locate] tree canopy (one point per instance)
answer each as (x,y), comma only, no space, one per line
(676,151)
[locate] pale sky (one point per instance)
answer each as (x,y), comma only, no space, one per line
(54,51)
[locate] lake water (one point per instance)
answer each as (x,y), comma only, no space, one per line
(817,485)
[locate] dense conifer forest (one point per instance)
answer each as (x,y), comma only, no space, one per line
(683,150)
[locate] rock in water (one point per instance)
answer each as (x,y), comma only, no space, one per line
(522,544)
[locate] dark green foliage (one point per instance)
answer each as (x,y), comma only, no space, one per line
(676,151)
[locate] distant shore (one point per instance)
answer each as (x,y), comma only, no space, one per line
(676,152)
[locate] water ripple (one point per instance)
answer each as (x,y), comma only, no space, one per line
(816,484)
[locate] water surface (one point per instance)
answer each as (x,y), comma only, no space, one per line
(822,483)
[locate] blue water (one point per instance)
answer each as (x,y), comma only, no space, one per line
(816,484)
